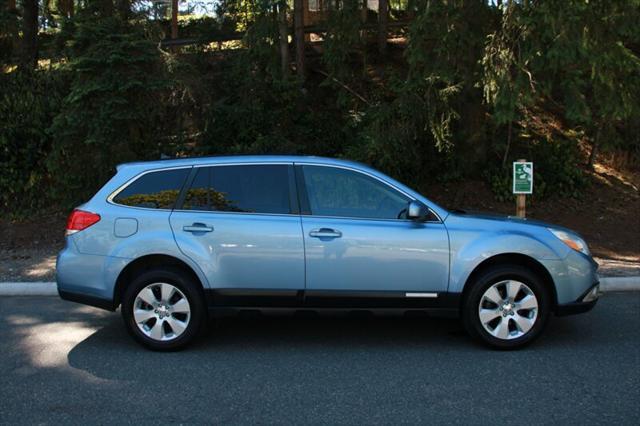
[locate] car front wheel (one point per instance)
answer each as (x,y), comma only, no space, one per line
(507,307)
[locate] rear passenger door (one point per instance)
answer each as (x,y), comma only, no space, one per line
(240,223)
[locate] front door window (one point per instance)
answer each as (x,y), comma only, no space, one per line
(338,192)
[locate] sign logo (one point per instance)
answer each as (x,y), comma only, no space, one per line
(522,177)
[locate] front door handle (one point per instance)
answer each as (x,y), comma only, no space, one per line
(197,227)
(325,233)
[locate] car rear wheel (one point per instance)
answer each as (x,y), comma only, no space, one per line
(163,309)
(507,307)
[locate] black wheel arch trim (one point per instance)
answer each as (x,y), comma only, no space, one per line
(515,259)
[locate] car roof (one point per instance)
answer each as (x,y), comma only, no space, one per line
(191,161)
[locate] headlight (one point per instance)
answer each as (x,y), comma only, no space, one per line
(572,240)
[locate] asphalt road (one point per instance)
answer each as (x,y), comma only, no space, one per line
(65,363)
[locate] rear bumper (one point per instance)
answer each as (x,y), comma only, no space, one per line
(583,304)
(87,300)
(87,279)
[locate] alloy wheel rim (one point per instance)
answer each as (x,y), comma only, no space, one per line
(161,311)
(508,309)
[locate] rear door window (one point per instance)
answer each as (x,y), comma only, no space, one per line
(245,188)
(154,190)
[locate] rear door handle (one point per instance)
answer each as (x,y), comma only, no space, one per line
(197,227)
(325,233)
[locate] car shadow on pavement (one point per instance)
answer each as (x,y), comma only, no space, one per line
(61,359)
(270,338)
(281,343)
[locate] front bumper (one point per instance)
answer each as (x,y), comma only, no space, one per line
(573,278)
(583,304)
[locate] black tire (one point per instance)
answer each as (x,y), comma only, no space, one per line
(192,292)
(491,276)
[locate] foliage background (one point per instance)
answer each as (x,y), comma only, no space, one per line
(471,87)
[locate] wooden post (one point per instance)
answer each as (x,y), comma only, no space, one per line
(521,205)
(521,200)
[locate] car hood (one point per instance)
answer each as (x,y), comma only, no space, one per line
(462,214)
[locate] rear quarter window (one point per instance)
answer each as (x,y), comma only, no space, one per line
(154,190)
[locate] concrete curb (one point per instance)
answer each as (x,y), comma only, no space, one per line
(28,289)
(607,284)
(620,283)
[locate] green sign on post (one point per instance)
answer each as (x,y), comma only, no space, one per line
(522,177)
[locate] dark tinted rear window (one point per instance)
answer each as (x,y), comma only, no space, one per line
(251,189)
(155,190)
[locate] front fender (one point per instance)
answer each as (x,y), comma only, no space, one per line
(468,253)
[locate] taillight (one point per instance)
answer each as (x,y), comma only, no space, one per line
(79,220)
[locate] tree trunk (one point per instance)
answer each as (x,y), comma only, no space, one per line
(29,53)
(11,5)
(284,37)
(46,12)
(364,11)
(298,19)
(506,151)
(411,9)
(107,7)
(383,21)
(595,146)
(174,18)
(65,8)
(124,8)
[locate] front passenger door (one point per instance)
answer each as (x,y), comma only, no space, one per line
(359,244)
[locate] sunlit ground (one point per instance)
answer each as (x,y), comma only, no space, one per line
(42,269)
(27,265)
(626,178)
(46,345)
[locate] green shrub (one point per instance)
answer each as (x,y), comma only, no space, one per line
(28,104)
(557,171)
(112,113)
(559,167)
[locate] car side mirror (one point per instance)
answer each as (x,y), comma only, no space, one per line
(417,211)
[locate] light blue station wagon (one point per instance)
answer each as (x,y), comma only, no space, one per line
(175,242)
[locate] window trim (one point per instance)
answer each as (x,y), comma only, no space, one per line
(133,179)
(294,204)
(302,194)
(299,190)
